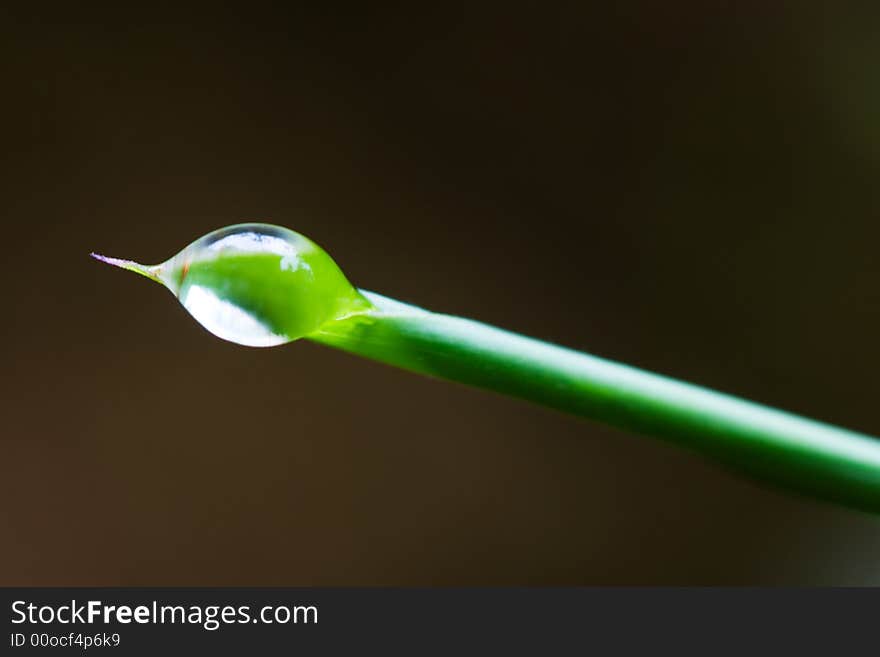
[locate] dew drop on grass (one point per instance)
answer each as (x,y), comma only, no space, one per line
(255,284)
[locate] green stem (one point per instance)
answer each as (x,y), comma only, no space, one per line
(790,451)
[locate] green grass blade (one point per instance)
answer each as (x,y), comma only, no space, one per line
(263,285)
(776,447)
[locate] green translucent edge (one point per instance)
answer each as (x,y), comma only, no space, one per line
(793,452)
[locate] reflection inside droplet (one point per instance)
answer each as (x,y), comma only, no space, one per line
(226,320)
(252,241)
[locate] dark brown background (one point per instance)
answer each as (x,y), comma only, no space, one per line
(685,186)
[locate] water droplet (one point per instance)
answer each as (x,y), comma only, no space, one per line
(255,284)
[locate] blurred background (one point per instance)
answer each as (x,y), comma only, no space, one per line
(690,187)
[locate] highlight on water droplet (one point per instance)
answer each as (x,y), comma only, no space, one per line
(255,284)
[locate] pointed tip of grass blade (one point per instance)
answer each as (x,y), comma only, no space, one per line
(108,259)
(151,272)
